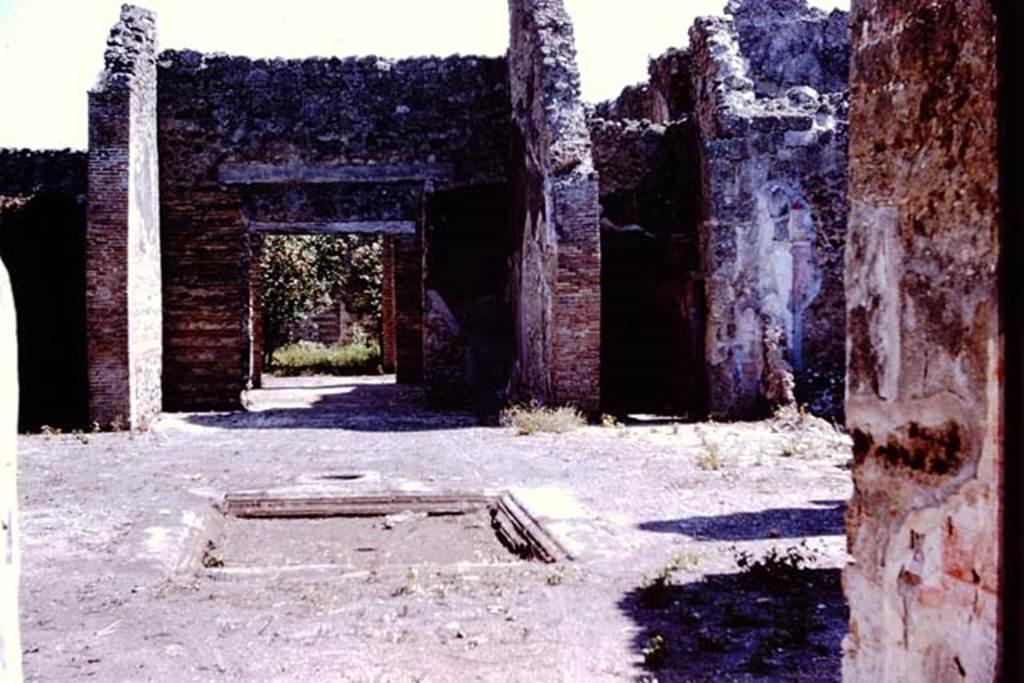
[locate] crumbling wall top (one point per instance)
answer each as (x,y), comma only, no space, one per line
(728,102)
(451,113)
(130,47)
(788,43)
(239,65)
(543,30)
(666,96)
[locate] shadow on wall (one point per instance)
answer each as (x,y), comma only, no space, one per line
(751,526)
(741,626)
(363,407)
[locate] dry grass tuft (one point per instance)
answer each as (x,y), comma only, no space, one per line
(534,419)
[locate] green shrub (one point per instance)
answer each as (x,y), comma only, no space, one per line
(308,358)
(533,419)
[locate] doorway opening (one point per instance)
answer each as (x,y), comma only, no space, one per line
(319,306)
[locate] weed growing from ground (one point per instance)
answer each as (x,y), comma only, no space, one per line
(656,592)
(409,587)
(533,419)
(655,651)
(211,556)
(776,569)
(711,457)
(556,577)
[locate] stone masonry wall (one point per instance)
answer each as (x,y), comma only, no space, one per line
(408,253)
(773,228)
(556,267)
(387,313)
(788,44)
(123,302)
(42,243)
(924,400)
(666,96)
(313,140)
(26,172)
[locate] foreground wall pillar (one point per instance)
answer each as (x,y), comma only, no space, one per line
(10,559)
(925,358)
(556,270)
(123,295)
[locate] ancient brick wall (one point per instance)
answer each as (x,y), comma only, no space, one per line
(924,348)
(773,228)
(408,251)
(42,242)
(123,304)
(387,306)
(556,278)
(319,142)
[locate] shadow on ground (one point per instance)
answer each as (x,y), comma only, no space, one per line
(743,626)
(750,526)
(340,403)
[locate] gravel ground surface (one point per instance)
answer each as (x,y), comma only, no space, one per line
(669,526)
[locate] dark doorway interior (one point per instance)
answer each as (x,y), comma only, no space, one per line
(468,248)
(652,331)
(42,243)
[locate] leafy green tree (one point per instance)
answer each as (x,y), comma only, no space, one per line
(300,275)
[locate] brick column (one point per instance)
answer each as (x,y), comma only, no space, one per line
(556,270)
(387,313)
(123,289)
(408,265)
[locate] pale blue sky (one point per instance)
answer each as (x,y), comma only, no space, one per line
(51,51)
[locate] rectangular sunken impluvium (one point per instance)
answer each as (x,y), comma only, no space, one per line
(363,532)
